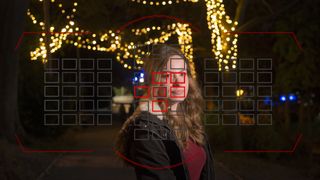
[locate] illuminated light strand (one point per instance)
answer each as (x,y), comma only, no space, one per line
(224,45)
(57,40)
(139,53)
(161,3)
(111,41)
(185,40)
(132,51)
(146,30)
(94,43)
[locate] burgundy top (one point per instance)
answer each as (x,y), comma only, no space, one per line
(195,158)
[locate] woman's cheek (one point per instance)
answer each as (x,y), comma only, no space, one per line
(186,89)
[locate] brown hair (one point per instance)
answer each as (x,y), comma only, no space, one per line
(189,122)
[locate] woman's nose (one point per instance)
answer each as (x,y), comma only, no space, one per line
(176,80)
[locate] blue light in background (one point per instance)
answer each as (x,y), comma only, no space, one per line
(283,98)
(292,97)
(267,100)
(139,77)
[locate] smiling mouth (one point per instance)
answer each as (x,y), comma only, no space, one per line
(177,92)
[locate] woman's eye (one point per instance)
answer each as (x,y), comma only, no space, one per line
(182,74)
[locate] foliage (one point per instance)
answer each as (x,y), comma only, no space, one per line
(297,68)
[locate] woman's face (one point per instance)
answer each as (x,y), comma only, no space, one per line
(176,78)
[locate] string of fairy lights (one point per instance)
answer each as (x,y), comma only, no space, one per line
(163,3)
(224,43)
(224,46)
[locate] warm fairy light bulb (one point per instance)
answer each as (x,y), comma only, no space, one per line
(164,2)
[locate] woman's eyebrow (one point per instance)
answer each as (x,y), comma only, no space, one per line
(181,71)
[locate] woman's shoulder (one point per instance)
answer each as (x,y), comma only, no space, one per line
(145,118)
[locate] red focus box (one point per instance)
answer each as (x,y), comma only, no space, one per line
(141,87)
(177,82)
(154,74)
(164,89)
(159,101)
(182,88)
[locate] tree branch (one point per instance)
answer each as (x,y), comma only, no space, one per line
(268,6)
(258,20)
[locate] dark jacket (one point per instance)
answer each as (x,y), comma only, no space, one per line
(155,153)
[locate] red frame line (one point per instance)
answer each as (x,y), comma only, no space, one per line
(123,27)
(184,92)
(28,150)
(151,167)
(154,16)
(160,100)
(141,87)
(177,82)
(153,77)
(159,87)
(292,150)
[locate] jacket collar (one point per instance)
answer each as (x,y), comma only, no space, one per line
(151,108)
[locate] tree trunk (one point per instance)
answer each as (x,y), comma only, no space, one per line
(13,14)
(46,12)
(301,116)
(286,116)
(237,130)
(240,11)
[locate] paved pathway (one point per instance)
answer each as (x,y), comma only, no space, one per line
(102,164)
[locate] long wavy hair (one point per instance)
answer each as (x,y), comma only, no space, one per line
(187,123)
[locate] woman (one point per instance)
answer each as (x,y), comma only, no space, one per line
(165,139)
